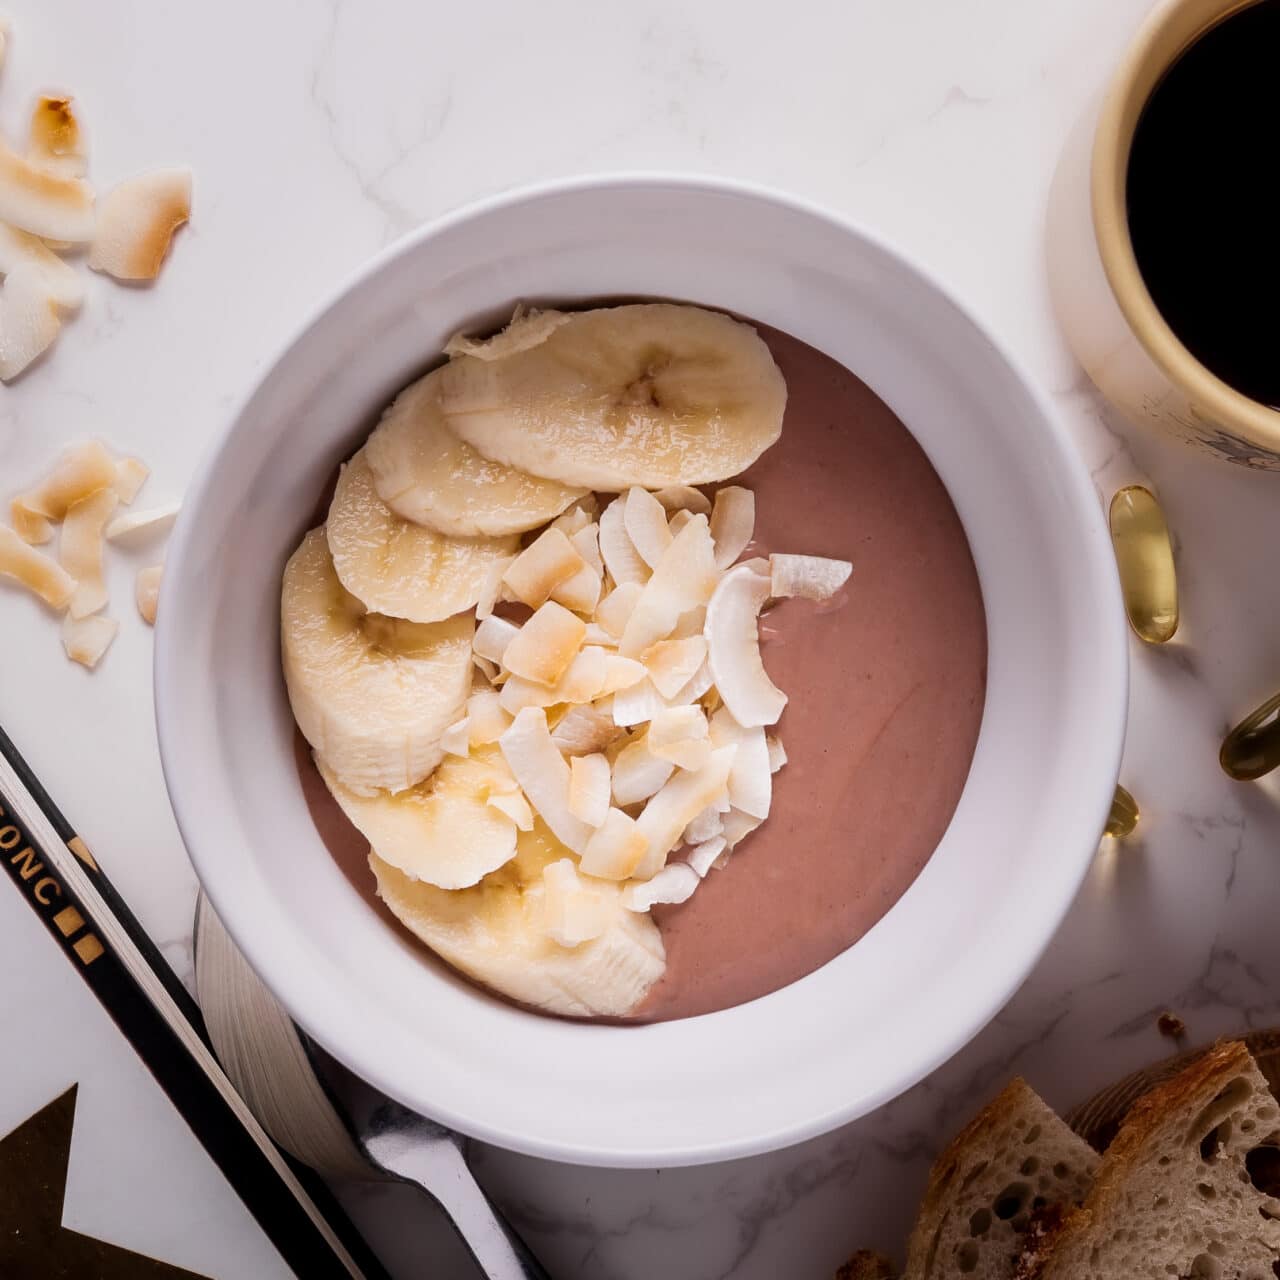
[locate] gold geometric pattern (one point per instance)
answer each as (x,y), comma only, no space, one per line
(34,1245)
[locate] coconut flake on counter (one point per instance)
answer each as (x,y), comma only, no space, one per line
(29,321)
(80,471)
(136,221)
(34,570)
(811,577)
(55,140)
(62,285)
(87,639)
(49,205)
(146,592)
(80,550)
(138,525)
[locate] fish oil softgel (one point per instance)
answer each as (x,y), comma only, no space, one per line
(1144,557)
(1123,816)
(1252,748)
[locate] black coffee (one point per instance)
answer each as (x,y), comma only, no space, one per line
(1204,199)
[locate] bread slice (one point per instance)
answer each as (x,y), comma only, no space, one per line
(865,1265)
(1015,1162)
(1178,1195)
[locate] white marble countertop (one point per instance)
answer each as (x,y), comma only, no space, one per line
(318,132)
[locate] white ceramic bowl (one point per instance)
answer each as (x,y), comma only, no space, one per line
(950,953)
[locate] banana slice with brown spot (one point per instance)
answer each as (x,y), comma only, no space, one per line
(653,394)
(371,694)
(396,567)
(424,473)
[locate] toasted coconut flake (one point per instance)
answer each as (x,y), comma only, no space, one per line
(620,673)
(137,526)
(543,776)
(678,521)
(56,142)
(750,779)
(456,739)
(49,205)
(812,577)
(131,475)
(683,497)
(645,520)
(146,592)
(486,717)
(580,683)
(526,330)
(491,587)
(586,542)
(733,523)
(590,786)
(136,222)
(680,735)
(80,550)
(777,753)
(638,773)
(545,645)
(34,570)
(487,669)
(685,578)
(28,319)
(737,826)
(79,472)
(580,593)
(571,521)
(616,608)
(637,703)
(541,567)
(493,636)
(666,815)
(87,639)
(672,884)
(616,548)
(573,912)
(514,805)
(596,634)
(585,729)
(671,664)
(62,283)
(699,685)
(615,849)
(702,857)
(733,648)
(706,826)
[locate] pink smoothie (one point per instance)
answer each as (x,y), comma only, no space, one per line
(885,686)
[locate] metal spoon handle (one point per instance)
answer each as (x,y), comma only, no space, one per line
(434,1162)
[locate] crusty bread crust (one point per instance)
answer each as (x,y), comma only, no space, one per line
(964,1162)
(1048,1254)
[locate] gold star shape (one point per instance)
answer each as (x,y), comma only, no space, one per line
(34,1245)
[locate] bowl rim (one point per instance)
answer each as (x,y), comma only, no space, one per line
(1111,672)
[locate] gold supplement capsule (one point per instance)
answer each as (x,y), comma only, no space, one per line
(1144,556)
(1252,748)
(1123,816)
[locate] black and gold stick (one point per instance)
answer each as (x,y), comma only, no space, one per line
(61,881)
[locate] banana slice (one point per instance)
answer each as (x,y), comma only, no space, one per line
(443,830)
(424,473)
(399,568)
(650,395)
(371,694)
(496,933)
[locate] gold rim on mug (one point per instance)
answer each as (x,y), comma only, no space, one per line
(1166,34)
